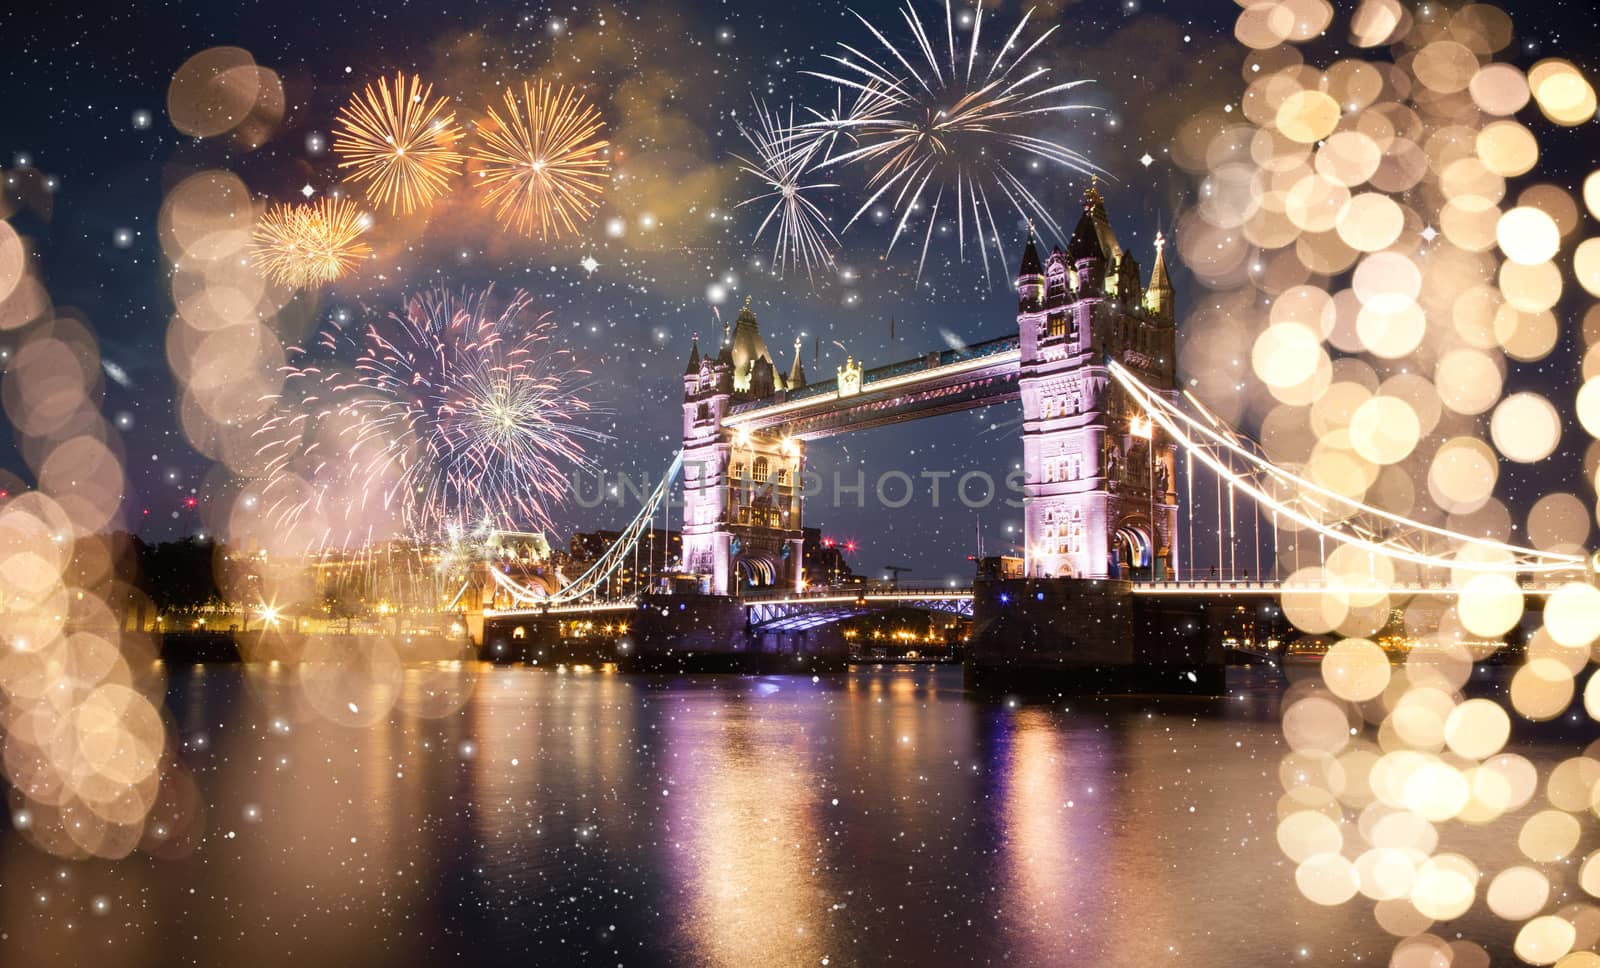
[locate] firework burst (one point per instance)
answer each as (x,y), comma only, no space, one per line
(276,246)
(312,244)
(541,165)
(783,157)
(400,144)
(449,416)
(949,127)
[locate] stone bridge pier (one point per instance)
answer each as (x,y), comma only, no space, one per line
(713,633)
(1078,636)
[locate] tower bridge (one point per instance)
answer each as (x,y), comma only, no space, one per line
(1099,487)
(1107,597)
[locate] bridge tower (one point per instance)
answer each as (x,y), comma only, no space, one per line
(741,507)
(1100,495)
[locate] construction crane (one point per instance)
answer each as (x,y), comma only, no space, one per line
(894,572)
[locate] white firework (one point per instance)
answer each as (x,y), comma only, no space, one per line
(783,157)
(935,124)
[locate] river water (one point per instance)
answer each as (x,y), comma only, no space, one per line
(523,816)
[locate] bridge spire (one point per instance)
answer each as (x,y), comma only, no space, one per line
(1031,266)
(1093,237)
(797,371)
(1030,275)
(725,352)
(694,357)
(748,353)
(1158,297)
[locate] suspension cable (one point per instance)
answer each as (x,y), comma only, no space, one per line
(1182,426)
(605,567)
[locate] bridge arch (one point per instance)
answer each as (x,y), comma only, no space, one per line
(1131,551)
(757,570)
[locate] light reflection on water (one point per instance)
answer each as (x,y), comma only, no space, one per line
(879,817)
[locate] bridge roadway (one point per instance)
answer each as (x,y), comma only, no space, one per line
(778,606)
(781,606)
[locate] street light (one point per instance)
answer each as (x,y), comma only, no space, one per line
(1142,426)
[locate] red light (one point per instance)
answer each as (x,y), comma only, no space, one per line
(849,546)
(189,503)
(827,542)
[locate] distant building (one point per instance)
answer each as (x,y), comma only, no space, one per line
(824,560)
(997,567)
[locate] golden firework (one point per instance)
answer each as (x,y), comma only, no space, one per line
(307,245)
(541,165)
(276,247)
(400,144)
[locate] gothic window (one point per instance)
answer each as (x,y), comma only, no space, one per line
(1058,324)
(1054,533)
(760,470)
(1058,281)
(705,412)
(1074,529)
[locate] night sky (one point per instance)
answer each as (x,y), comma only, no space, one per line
(673,81)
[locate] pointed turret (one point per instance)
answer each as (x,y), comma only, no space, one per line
(797,372)
(745,347)
(1031,266)
(1030,275)
(725,354)
(694,358)
(1158,298)
(1093,250)
(1093,237)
